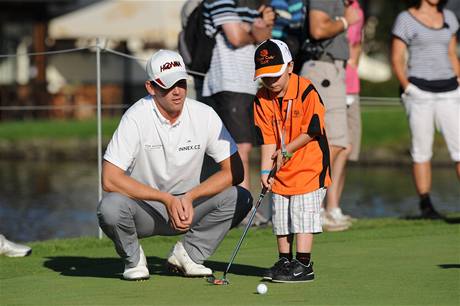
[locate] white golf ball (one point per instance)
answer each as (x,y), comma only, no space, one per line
(262,288)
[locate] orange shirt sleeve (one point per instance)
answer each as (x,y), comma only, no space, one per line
(263,117)
(313,109)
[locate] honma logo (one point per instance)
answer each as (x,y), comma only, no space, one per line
(169,65)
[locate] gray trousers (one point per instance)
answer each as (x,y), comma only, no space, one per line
(125,220)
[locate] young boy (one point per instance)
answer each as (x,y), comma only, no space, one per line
(289,117)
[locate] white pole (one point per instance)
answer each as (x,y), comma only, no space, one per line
(99,129)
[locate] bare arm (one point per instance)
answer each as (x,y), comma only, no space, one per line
(270,154)
(240,34)
(231,173)
(398,61)
(322,26)
(355,52)
(180,209)
(266,162)
(114,179)
(237,34)
(298,142)
(262,27)
(291,147)
(453,57)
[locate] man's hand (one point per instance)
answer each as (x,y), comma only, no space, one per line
(268,15)
(187,206)
(177,214)
(261,27)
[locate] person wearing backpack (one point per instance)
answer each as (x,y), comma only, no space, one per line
(327,53)
(237,26)
(195,46)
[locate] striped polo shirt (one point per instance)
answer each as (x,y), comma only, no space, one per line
(309,167)
(428,47)
(231,69)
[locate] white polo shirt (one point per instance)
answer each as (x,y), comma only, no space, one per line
(168,156)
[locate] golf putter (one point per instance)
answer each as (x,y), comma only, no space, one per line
(224,281)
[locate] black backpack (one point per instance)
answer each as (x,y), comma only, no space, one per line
(194,45)
(308,48)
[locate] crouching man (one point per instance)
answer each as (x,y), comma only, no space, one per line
(151,174)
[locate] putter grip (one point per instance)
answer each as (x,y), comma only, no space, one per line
(270,175)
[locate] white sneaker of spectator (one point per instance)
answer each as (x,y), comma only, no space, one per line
(11,249)
(259,220)
(337,214)
(332,225)
(140,271)
(180,262)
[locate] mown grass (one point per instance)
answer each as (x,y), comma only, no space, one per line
(384,126)
(377,262)
(381,125)
(56,129)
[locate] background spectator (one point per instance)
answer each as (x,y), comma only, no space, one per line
(288,22)
(351,152)
(430,81)
(237,27)
(328,21)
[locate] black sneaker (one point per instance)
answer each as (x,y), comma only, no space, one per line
(294,272)
(431,213)
(428,212)
(268,274)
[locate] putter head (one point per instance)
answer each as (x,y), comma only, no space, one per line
(217,281)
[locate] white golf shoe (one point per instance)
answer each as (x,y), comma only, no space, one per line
(12,249)
(333,225)
(337,214)
(140,271)
(180,262)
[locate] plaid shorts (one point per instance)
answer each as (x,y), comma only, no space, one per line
(297,213)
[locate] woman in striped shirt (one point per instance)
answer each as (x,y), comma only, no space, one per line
(430,80)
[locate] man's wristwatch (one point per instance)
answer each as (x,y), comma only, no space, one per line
(344,21)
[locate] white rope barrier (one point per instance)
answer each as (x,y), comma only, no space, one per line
(124,54)
(46,53)
(60,107)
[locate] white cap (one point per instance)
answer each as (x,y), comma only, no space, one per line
(165,68)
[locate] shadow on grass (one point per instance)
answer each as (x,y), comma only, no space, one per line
(85,266)
(449,220)
(455,220)
(449,266)
(78,266)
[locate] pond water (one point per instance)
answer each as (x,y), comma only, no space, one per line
(47,200)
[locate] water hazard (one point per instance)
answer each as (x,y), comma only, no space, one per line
(47,200)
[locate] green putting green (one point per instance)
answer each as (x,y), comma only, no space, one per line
(377,262)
